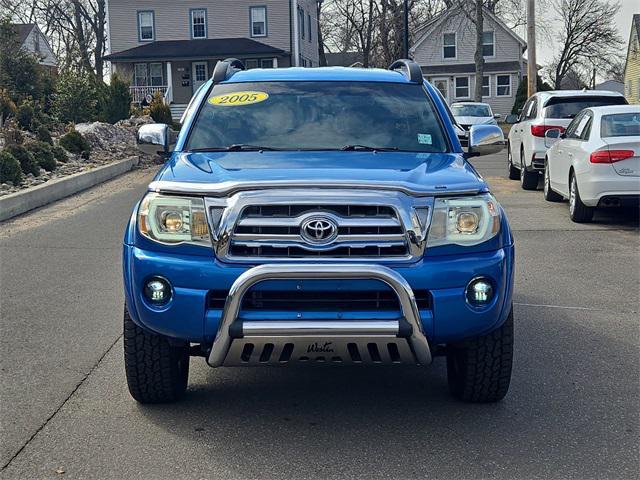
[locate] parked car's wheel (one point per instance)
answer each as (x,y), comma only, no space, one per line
(514,173)
(549,195)
(578,211)
(157,372)
(479,368)
(528,180)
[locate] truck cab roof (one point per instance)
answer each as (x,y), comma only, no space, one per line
(319,74)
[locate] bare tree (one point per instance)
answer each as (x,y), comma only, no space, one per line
(588,37)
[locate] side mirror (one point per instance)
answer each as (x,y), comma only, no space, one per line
(485,140)
(156,139)
(551,136)
(511,119)
(553,133)
(497,115)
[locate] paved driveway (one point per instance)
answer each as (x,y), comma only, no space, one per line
(572,411)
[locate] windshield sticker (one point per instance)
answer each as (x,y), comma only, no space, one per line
(424,139)
(237,99)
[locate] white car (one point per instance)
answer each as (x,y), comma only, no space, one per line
(468,114)
(596,162)
(543,111)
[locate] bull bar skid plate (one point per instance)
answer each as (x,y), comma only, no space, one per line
(358,341)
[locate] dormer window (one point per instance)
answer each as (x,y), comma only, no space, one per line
(488,44)
(146,28)
(449,45)
(199,23)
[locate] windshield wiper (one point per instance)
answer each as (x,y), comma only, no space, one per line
(236,147)
(351,148)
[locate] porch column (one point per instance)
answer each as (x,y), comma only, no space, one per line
(275,62)
(169,96)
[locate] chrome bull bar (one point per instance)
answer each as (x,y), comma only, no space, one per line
(294,330)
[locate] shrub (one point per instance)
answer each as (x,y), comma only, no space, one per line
(9,168)
(44,135)
(59,153)
(12,134)
(43,155)
(115,101)
(7,105)
(75,98)
(74,142)
(28,163)
(25,115)
(160,111)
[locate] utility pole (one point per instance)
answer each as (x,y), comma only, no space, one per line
(532,68)
(406,29)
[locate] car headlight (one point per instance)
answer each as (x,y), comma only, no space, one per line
(464,221)
(173,220)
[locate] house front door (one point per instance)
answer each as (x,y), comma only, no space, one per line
(199,73)
(442,84)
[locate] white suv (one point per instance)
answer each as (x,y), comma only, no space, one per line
(527,146)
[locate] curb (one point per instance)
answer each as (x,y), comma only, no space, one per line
(40,195)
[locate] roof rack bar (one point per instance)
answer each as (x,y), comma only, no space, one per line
(410,69)
(224,69)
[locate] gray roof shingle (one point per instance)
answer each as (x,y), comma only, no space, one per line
(207,48)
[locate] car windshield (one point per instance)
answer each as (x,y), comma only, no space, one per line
(569,107)
(620,125)
(471,110)
(318,116)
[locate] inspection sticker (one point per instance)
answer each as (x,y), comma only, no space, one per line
(424,139)
(237,99)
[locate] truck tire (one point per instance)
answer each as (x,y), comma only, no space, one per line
(528,180)
(156,371)
(550,195)
(479,368)
(513,172)
(578,211)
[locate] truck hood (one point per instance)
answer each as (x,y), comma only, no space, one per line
(221,173)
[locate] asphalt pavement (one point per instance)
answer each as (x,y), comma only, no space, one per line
(572,411)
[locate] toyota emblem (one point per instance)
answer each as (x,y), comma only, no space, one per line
(319,230)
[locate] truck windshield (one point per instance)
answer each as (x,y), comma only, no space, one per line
(318,116)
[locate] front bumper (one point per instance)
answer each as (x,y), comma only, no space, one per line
(190,317)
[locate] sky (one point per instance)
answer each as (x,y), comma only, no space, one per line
(547,49)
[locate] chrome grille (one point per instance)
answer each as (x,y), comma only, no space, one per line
(275,231)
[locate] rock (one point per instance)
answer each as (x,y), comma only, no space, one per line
(135,122)
(104,136)
(5,186)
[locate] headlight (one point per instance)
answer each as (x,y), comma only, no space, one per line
(464,221)
(173,220)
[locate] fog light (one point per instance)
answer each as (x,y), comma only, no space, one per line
(157,290)
(479,291)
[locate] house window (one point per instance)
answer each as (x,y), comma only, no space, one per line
(140,74)
(258,21)
(488,44)
(249,64)
(146,29)
(200,72)
(266,63)
(155,74)
(486,86)
(301,22)
(36,42)
(199,23)
(503,85)
(462,87)
(449,45)
(309,26)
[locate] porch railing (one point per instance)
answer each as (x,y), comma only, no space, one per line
(139,93)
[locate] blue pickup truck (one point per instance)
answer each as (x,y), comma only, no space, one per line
(318,216)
